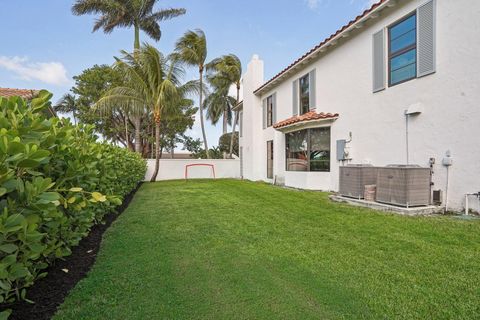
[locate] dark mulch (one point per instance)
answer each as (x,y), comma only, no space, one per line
(49,293)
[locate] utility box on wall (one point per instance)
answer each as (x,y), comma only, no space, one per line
(341,144)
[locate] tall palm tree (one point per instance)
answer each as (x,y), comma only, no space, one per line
(219,103)
(67,104)
(229,68)
(152,81)
(191,49)
(138,14)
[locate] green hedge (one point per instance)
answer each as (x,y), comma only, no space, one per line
(56,182)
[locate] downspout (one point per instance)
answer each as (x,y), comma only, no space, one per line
(406,136)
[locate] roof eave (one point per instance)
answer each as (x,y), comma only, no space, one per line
(306,124)
(322,48)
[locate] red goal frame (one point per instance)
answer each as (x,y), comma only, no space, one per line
(199,164)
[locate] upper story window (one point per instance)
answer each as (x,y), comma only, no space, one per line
(270,111)
(304,90)
(303,93)
(402,55)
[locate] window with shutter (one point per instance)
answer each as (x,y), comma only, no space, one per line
(379,61)
(269,111)
(264,113)
(295,97)
(304,89)
(274,109)
(426,38)
(312,82)
(402,50)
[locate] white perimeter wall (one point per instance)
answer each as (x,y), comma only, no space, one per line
(172,169)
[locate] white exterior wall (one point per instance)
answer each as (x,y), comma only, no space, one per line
(173,169)
(450,98)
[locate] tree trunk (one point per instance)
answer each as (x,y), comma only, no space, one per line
(74,118)
(157,148)
(136,44)
(232,138)
(234,122)
(126,130)
(138,142)
(225,121)
(172,148)
(201,114)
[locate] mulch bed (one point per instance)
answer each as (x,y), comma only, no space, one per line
(50,292)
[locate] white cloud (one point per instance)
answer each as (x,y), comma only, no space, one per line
(313,4)
(49,72)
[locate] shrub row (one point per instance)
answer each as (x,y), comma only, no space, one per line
(56,182)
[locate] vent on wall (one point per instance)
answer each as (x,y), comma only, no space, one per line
(437,197)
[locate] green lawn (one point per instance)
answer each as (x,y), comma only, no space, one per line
(229,249)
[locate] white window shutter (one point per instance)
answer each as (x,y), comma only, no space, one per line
(312,89)
(264,113)
(426,39)
(379,61)
(274,109)
(295,97)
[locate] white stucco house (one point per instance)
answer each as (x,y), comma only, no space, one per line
(400,84)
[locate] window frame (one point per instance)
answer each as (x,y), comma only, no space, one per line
(309,149)
(270,158)
(391,56)
(269,111)
(300,109)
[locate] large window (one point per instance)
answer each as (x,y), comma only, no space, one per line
(304,86)
(308,150)
(270,111)
(402,54)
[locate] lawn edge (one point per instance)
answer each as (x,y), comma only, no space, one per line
(50,292)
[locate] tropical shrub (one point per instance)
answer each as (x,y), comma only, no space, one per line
(224,143)
(56,182)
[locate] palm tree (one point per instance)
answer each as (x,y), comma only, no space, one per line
(229,68)
(138,14)
(219,103)
(152,81)
(67,104)
(191,49)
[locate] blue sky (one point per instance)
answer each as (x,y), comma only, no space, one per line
(44,45)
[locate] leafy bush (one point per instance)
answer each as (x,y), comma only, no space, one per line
(56,182)
(224,143)
(213,152)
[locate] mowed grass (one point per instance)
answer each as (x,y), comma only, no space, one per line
(229,249)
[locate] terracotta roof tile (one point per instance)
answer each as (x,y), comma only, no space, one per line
(309,116)
(321,44)
(24,93)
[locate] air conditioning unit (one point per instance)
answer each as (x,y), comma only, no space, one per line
(404,185)
(354,178)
